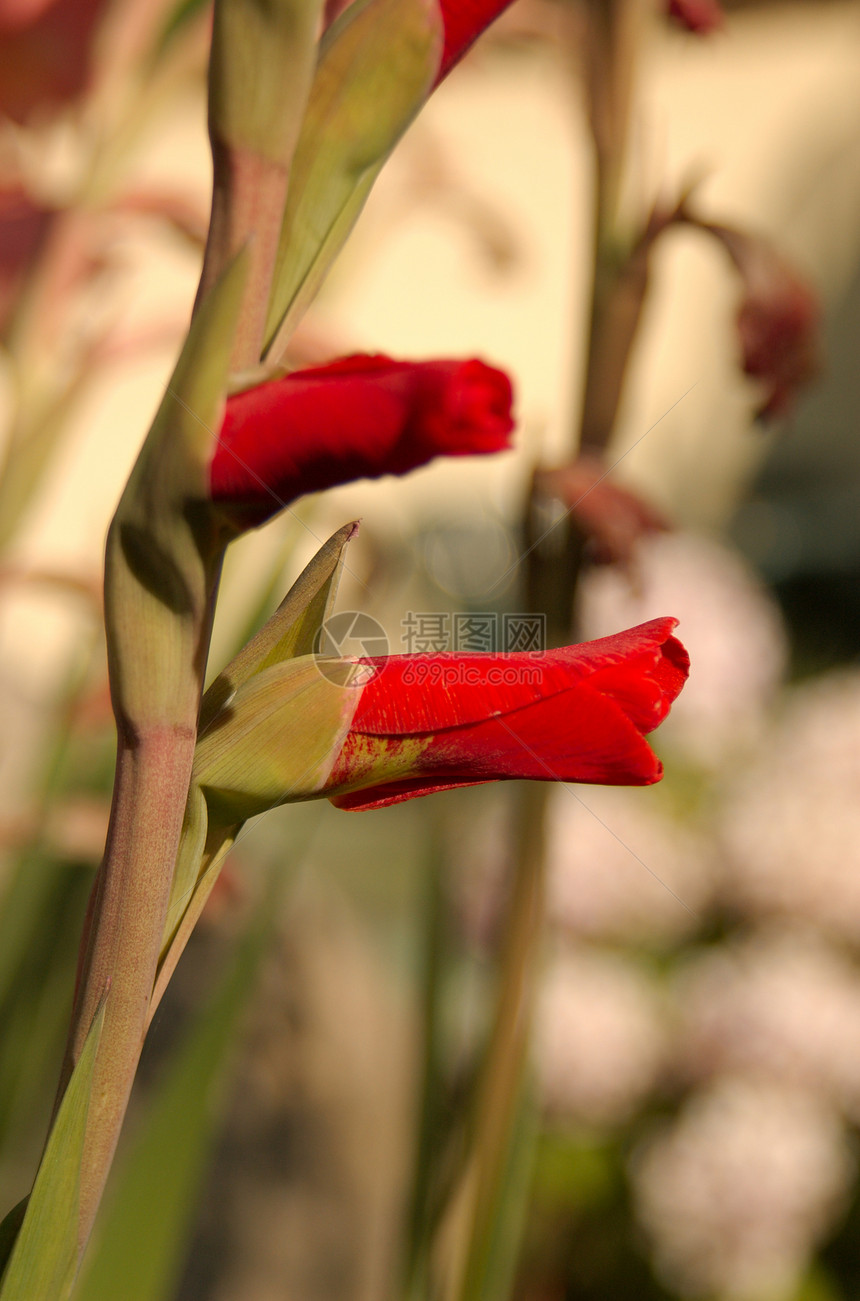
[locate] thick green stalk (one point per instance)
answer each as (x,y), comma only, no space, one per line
(162,564)
(260,74)
(248,197)
(127,914)
(612,41)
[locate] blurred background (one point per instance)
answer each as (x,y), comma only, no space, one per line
(696,1044)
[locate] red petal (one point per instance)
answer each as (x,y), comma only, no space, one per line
(581,736)
(379,797)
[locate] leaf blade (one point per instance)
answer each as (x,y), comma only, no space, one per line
(377,65)
(44,1259)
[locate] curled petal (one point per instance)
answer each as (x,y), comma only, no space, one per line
(360,417)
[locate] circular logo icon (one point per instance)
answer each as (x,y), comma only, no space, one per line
(350,635)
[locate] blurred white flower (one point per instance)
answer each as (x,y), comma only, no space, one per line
(598,1036)
(729,624)
(791,820)
(781,1003)
(737,1193)
(620,869)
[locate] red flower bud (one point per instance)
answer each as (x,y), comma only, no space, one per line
(700,16)
(427,723)
(356,418)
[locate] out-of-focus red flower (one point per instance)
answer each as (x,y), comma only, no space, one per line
(700,16)
(23,228)
(356,418)
(778,320)
(778,326)
(428,723)
(45,53)
(611,517)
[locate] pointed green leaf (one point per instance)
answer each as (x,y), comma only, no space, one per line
(315,253)
(377,66)
(162,545)
(188,861)
(277,739)
(289,633)
(149,1211)
(44,1259)
(292,629)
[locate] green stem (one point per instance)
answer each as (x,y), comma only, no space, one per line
(124,927)
(248,197)
(612,39)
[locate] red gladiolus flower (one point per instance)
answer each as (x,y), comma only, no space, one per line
(701,16)
(428,723)
(356,418)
